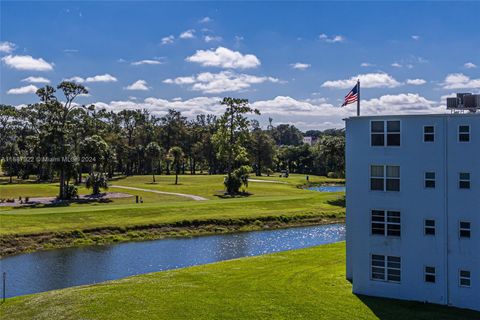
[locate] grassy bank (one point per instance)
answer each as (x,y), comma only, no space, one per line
(273,204)
(301,284)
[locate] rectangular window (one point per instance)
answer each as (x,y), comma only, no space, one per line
(428,134)
(430,180)
(385,268)
(465,229)
(377,129)
(429,227)
(464,278)
(464,180)
(393,133)
(377,178)
(464,133)
(386,223)
(393,178)
(430,274)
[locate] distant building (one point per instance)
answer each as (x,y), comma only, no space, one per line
(309,140)
(413,207)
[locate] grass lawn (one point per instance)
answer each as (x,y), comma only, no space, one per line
(300,284)
(268,199)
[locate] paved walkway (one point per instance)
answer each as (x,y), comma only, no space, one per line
(191,196)
(267,181)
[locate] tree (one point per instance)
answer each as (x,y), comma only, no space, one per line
(96,181)
(153,152)
(232,135)
(287,135)
(262,148)
(176,154)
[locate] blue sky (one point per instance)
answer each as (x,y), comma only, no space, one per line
(294,61)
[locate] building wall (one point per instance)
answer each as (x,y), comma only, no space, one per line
(416,203)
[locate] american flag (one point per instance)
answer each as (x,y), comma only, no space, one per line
(351,97)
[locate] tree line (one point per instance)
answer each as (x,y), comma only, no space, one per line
(58,139)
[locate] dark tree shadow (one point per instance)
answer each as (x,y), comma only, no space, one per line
(338,202)
(392,309)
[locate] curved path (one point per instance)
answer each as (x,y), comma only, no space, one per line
(267,181)
(191,196)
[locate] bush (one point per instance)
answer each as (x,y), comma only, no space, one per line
(332,175)
(71,191)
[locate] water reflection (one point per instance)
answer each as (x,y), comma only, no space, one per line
(48,270)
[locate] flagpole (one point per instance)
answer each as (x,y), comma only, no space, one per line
(358,98)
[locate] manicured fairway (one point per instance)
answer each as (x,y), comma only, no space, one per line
(301,284)
(267,199)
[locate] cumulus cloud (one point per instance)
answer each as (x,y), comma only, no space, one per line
(416,82)
(99,78)
(138,85)
(146,61)
(369,80)
(27,63)
(331,39)
(404,103)
(460,81)
(224,58)
(396,65)
(470,65)
(188,34)
(205,20)
(168,39)
(23,90)
(209,38)
(225,81)
(7,47)
(36,80)
(300,66)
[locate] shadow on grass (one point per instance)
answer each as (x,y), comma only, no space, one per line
(60,204)
(338,202)
(223,195)
(391,309)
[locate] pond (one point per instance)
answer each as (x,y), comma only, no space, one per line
(61,268)
(339,188)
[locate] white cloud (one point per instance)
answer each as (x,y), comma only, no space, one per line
(300,66)
(369,80)
(205,20)
(225,81)
(415,37)
(138,85)
(23,90)
(75,79)
(470,65)
(396,65)
(70,50)
(209,38)
(146,61)
(7,47)
(460,81)
(36,80)
(285,105)
(224,58)
(102,78)
(188,34)
(168,39)
(366,65)
(27,63)
(331,39)
(404,103)
(416,82)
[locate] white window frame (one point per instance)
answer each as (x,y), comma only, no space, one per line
(386,223)
(385,177)
(386,268)
(429,133)
(426,273)
(386,133)
(460,278)
(464,133)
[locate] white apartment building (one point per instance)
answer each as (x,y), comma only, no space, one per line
(413,207)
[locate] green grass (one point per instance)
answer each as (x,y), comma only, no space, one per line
(300,284)
(268,199)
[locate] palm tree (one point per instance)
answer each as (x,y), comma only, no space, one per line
(153,152)
(176,153)
(96,181)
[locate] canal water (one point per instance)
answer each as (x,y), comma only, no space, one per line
(328,188)
(61,268)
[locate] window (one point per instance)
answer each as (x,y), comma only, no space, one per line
(385,133)
(430,274)
(428,134)
(384,178)
(385,268)
(464,278)
(430,180)
(429,227)
(464,133)
(377,133)
(464,180)
(465,230)
(386,223)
